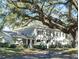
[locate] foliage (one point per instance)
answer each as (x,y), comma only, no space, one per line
(10,51)
(32,9)
(7,45)
(12,46)
(43,47)
(71,51)
(67,46)
(25,46)
(52,46)
(4,45)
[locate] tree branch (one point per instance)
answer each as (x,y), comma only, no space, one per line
(75,4)
(50,21)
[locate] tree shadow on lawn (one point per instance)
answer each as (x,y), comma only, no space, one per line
(49,55)
(55,55)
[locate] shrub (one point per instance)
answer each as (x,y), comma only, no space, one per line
(12,46)
(43,47)
(52,46)
(4,45)
(59,45)
(1,44)
(67,46)
(25,46)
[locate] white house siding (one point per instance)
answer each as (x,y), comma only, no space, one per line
(55,36)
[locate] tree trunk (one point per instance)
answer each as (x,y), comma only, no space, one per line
(74,39)
(30,44)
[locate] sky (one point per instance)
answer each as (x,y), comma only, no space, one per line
(6,28)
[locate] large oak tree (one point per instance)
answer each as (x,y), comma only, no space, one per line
(49,12)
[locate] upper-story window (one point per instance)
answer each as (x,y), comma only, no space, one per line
(66,36)
(44,32)
(52,34)
(39,31)
(57,34)
(48,33)
(63,34)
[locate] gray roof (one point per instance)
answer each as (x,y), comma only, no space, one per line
(26,32)
(11,33)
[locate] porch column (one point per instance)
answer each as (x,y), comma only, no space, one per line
(35,41)
(26,41)
(30,44)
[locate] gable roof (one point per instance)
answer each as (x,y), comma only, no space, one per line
(26,32)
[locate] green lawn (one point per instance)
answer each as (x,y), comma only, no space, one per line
(10,51)
(17,51)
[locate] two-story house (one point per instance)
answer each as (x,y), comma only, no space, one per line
(37,35)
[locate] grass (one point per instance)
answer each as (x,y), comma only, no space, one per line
(58,49)
(34,51)
(10,51)
(71,51)
(65,50)
(21,51)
